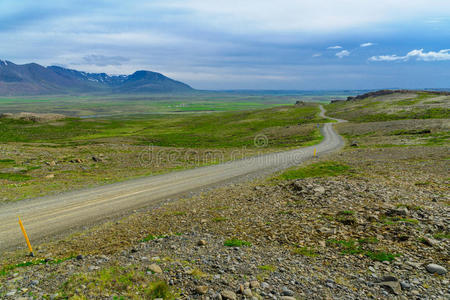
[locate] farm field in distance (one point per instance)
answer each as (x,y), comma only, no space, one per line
(122,105)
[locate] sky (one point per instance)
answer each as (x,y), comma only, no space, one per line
(244,44)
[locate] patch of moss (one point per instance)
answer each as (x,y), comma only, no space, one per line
(236,243)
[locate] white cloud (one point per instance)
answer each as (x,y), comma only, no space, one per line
(342,53)
(317,55)
(366,45)
(418,54)
(334,47)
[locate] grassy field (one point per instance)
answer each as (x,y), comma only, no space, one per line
(41,158)
(199,101)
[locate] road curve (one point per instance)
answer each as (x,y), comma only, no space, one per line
(54,215)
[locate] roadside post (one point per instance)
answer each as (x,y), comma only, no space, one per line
(26,237)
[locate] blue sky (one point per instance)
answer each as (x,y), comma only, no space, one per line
(245,44)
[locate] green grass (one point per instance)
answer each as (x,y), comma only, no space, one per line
(430,113)
(236,243)
(268,268)
(305,251)
(7,161)
(7,269)
(125,283)
(152,237)
(321,169)
(381,255)
(353,247)
(14,177)
(219,219)
(442,236)
(393,220)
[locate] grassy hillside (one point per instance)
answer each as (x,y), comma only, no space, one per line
(397,106)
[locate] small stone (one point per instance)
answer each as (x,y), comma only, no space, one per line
(201,243)
(286,292)
(201,289)
(287,298)
(93,268)
(80,257)
(392,287)
(436,269)
(247,292)
(11,293)
(154,268)
(50,176)
(265,285)
(217,296)
(254,284)
(319,189)
(34,282)
(405,285)
(228,295)
(429,242)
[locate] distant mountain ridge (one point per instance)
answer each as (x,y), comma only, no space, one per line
(34,79)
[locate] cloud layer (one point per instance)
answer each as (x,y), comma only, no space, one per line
(417,54)
(287,44)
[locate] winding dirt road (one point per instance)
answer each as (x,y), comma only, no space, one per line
(46,217)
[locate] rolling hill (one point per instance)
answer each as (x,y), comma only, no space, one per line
(34,79)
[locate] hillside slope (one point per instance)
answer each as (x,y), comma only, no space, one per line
(34,79)
(392,105)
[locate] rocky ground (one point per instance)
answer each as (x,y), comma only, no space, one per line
(377,231)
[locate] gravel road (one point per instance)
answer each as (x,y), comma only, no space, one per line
(46,217)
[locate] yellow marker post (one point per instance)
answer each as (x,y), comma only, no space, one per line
(315,150)
(26,237)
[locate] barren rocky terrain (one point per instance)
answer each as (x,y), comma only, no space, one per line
(370,232)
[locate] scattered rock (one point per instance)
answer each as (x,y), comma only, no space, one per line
(436,269)
(319,189)
(201,243)
(155,268)
(254,284)
(201,289)
(405,285)
(247,292)
(286,292)
(226,294)
(391,284)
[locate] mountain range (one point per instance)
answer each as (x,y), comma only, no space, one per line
(34,79)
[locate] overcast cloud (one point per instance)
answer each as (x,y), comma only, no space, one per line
(286,44)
